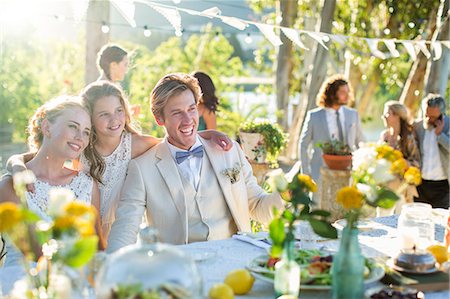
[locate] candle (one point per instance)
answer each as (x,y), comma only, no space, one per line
(409,237)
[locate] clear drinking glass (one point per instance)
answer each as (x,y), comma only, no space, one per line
(416,226)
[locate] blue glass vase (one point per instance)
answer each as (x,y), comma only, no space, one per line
(348,267)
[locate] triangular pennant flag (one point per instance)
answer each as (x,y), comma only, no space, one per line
(409,46)
(172,15)
(317,37)
(293,35)
(79,9)
(267,30)
(126,9)
(446,43)
(423,47)
(373,46)
(390,44)
(234,22)
(340,39)
(437,48)
(211,12)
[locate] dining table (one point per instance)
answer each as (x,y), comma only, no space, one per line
(215,259)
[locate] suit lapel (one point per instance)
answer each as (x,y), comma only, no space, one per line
(218,161)
(169,171)
(323,121)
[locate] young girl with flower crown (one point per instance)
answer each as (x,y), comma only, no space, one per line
(114,142)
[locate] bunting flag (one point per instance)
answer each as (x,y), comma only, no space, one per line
(373,46)
(268,32)
(172,15)
(390,44)
(234,22)
(340,39)
(126,9)
(294,37)
(211,12)
(318,37)
(410,49)
(437,48)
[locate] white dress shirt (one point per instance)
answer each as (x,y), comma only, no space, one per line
(189,168)
(332,123)
(431,164)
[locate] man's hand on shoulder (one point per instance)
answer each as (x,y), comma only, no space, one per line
(439,126)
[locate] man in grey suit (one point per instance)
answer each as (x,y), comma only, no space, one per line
(434,143)
(331,120)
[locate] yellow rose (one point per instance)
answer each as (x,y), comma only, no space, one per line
(65,222)
(399,167)
(10,215)
(308,182)
(412,176)
(85,228)
(349,198)
(77,208)
(387,152)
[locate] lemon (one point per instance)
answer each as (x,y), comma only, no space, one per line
(240,280)
(440,252)
(220,291)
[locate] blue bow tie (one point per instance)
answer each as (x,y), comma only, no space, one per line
(196,152)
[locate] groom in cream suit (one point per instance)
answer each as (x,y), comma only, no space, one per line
(331,120)
(189,189)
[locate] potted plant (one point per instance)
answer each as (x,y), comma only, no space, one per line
(262,141)
(336,154)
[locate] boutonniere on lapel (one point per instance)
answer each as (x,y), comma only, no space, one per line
(233,173)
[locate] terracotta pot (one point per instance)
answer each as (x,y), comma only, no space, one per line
(338,162)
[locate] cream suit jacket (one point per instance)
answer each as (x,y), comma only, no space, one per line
(153,185)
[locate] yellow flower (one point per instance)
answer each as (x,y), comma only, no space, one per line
(85,227)
(286,195)
(65,222)
(10,215)
(399,166)
(387,152)
(77,208)
(308,182)
(349,198)
(412,176)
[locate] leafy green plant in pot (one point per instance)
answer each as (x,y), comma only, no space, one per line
(336,154)
(262,141)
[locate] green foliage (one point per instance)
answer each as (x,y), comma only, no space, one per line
(209,52)
(80,253)
(335,147)
(274,137)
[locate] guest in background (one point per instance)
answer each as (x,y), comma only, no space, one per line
(434,142)
(331,120)
(400,135)
(112,63)
(207,106)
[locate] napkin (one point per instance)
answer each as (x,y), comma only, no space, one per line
(255,242)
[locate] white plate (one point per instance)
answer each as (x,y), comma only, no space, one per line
(258,272)
(363,225)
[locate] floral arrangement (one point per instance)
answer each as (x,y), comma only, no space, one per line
(295,188)
(374,168)
(66,238)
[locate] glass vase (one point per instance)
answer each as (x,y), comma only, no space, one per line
(287,273)
(348,267)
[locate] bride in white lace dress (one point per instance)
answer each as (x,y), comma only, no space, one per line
(114,142)
(59,131)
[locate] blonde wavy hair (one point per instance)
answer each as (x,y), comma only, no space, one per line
(49,111)
(90,95)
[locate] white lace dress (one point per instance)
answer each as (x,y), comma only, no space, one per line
(112,179)
(81,186)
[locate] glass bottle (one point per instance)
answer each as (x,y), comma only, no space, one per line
(348,267)
(287,273)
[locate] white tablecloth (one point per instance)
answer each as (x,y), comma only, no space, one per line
(223,256)
(232,254)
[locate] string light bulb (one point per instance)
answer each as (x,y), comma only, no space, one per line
(216,37)
(178,33)
(147,32)
(248,39)
(105,28)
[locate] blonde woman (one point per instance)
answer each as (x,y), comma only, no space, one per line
(58,131)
